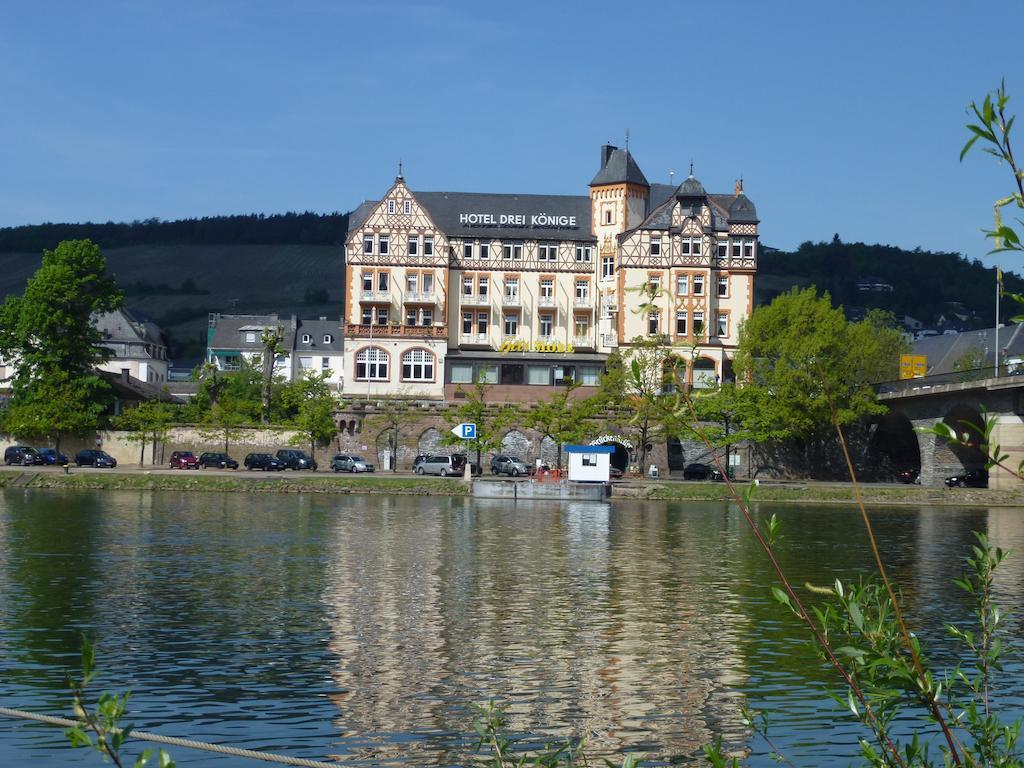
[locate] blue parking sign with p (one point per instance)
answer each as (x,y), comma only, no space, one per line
(465,431)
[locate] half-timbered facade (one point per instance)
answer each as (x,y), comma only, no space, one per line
(531,291)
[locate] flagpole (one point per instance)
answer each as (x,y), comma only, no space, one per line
(999,286)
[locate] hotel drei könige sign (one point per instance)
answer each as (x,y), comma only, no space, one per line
(546,220)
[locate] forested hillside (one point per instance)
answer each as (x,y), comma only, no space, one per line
(924,282)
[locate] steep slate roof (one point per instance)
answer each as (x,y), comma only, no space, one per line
(943,351)
(317,329)
(691,188)
(228,332)
(742,210)
(123,325)
(358,217)
(619,168)
(445,207)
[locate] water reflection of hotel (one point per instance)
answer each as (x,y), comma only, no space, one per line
(600,632)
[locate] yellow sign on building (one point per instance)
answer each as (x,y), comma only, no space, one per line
(913,366)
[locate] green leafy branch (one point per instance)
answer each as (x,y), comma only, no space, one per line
(101,729)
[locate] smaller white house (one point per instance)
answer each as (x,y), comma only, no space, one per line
(589,463)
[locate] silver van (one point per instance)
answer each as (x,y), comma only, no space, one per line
(442,465)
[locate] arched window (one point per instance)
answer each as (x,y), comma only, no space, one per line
(372,363)
(418,365)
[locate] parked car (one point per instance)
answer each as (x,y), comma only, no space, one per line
(263,461)
(614,473)
(293,459)
(24,455)
(512,466)
(217,461)
(445,466)
(698,471)
(52,456)
(972,478)
(93,457)
(909,476)
(184,460)
(345,463)
(420,458)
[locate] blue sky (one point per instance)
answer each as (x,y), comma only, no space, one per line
(841,117)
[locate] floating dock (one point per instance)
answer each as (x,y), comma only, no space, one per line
(529,490)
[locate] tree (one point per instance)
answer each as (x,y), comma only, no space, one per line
(56,405)
(490,421)
(314,420)
(638,392)
(48,332)
(272,339)
(148,422)
(800,361)
(562,418)
(224,419)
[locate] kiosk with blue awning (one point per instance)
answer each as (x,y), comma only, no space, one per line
(589,463)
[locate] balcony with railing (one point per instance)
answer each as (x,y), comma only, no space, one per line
(420,297)
(510,300)
(583,302)
(609,340)
(374,297)
(360,330)
(475,299)
(474,339)
(545,301)
(585,341)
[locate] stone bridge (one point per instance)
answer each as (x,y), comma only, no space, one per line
(961,400)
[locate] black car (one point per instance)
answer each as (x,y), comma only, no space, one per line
(23,455)
(92,457)
(972,478)
(698,471)
(293,459)
(52,456)
(217,460)
(909,476)
(263,461)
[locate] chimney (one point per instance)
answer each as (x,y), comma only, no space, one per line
(606,152)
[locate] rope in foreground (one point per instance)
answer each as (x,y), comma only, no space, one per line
(173,741)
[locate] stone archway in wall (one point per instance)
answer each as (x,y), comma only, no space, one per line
(515,443)
(939,458)
(893,446)
(676,455)
(549,452)
(383,454)
(622,453)
(429,442)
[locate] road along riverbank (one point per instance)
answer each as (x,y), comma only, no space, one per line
(876,494)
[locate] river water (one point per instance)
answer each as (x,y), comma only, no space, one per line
(361,628)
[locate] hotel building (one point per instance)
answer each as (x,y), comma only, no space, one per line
(529,291)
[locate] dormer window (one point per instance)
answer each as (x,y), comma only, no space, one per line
(250,337)
(328,338)
(306,338)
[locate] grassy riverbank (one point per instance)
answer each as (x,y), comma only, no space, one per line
(821,493)
(293,482)
(278,483)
